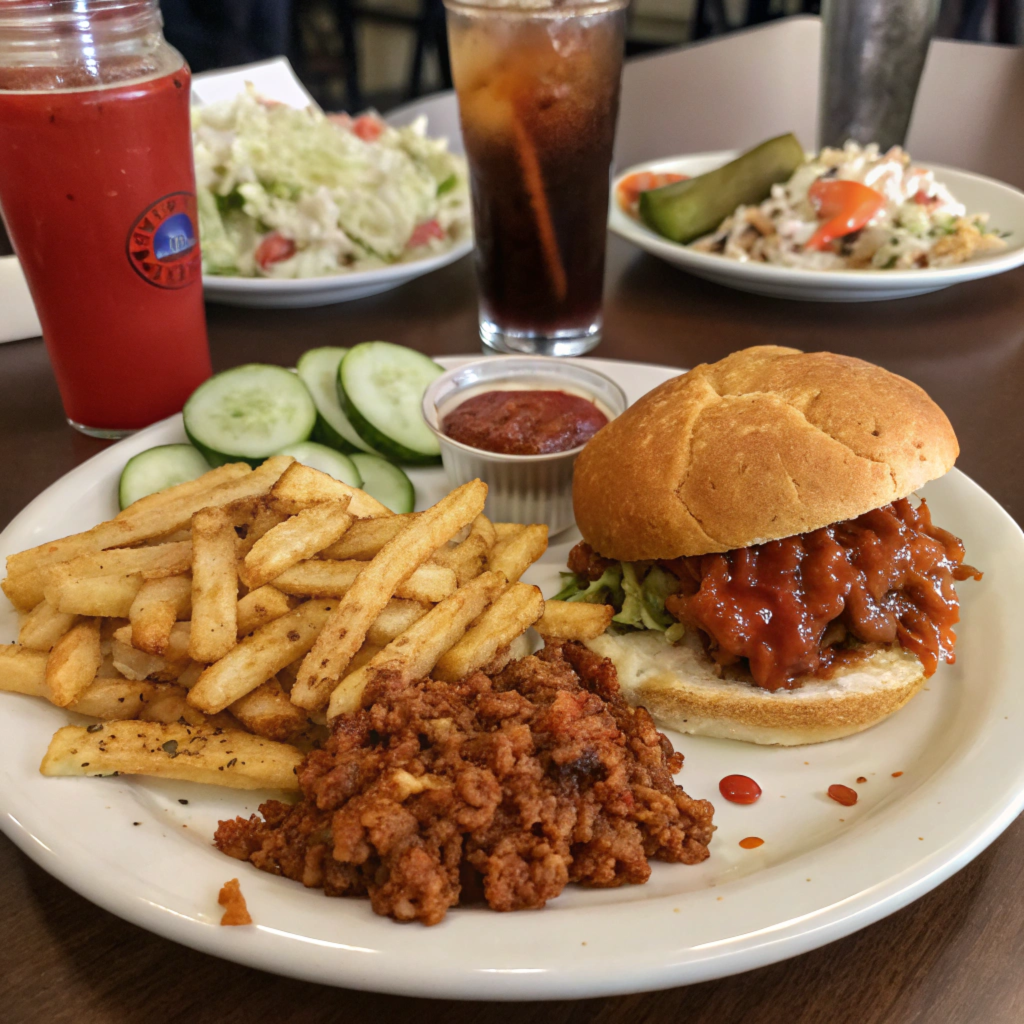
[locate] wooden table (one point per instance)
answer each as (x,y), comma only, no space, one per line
(951,957)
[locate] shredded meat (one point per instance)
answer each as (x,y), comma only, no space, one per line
(509,788)
(586,562)
(804,605)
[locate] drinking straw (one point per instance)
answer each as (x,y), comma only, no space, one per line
(534,181)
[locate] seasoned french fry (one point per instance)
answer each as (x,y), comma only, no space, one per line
(297,538)
(365,537)
(343,634)
(174,751)
(258,521)
(23,670)
(260,656)
(468,559)
(106,596)
(515,554)
(394,620)
(202,485)
(168,704)
(417,650)
(301,487)
(139,522)
(503,531)
(323,578)
(189,676)
(44,626)
(511,615)
(574,620)
(159,560)
(114,699)
(260,606)
(483,527)
(214,586)
(137,665)
(73,663)
(156,608)
(268,712)
(177,640)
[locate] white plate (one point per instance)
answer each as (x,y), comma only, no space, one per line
(270,293)
(977,193)
(823,871)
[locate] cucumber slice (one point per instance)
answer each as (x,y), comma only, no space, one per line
(381,390)
(318,370)
(156,469)
(386,482)
(249,413)
(327,460)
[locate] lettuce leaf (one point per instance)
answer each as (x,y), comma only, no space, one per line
(605,590)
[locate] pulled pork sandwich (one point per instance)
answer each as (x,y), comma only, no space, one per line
(751,523)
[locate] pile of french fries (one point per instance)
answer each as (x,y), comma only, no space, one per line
(215,628)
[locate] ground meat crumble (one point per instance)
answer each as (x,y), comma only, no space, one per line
(505,789)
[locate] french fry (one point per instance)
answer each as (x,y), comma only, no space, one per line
(260,606)
(322,578)
(156,561)
(468,559)
(301,487)
(214,586)
(139,522)
(396,617)
(511,615)
(294,540)
(168,704)
(258,522)
(156,608)
(343,634)
(189,676)
(173,751)
(574,620)
(515,554)
(44,626)
(110,597)
(268,712)
(23,670)
(202,485)
(483,527)
(365,537)
(503,531)
(260,656)
(178,640)
(414,653)
(137,665)
(113,699)
(73,663)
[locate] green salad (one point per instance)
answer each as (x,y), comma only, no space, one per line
(290,193)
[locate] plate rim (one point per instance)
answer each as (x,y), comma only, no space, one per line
(789,938)
(768,273)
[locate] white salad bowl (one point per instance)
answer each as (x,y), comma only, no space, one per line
(1005,206)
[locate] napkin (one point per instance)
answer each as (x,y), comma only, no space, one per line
(273,79)
(17,313)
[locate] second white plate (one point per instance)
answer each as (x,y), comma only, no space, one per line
(135,847)
(1004,204)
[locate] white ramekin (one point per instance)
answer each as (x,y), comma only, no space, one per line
(521,488)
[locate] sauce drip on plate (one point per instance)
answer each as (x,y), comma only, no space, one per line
(739,789)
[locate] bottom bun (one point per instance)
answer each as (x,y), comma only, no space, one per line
(678,685)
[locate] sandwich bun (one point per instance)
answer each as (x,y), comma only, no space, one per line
(679,686)
(764,444)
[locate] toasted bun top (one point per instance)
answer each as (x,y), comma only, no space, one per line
(764,444)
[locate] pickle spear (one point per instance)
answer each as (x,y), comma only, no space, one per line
(687,209)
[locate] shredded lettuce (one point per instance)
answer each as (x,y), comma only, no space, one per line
(637,591)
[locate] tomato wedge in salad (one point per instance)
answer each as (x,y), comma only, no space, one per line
(424,232)
(843,207)
(273,249)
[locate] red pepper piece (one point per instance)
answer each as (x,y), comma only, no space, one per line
(843,207)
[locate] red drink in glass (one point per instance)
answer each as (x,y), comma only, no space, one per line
(98,192)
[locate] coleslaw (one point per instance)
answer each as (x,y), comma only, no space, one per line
(914,222)
(290,193)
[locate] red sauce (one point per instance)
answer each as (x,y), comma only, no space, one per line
(751,843)
(98,192)
(802,605)
(843,795)
(739,789)
(861,778)
(524,422)
(896,775)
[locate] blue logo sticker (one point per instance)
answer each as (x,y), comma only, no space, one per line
(174,237)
